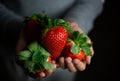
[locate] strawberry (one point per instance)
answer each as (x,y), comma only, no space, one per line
(37,72)
(35,59)
(31,28)
(55,40)
(77,46)
(49,59)
(54,35)
(46,39)
(81,55)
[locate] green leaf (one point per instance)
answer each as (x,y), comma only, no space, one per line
(38,57)
(22,58)
(75,35)
(30,66)
(24,55)
(87,44)
(34,46)
(86,49)
(45,20)
(44,52)
(79,38)
(39,66)
(75,49)
(33,16)
(61,22)
(48,65)
(83,40)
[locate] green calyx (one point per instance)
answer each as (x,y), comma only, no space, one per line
(45,21)
(33,16)
(35,58)
(80,43)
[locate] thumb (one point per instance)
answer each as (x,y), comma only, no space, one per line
(88,59)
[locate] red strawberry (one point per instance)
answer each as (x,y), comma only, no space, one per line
(77,46)
(54,40)
(52,34)
(49,59)
(81,55)
(31,30)
(37,72)
(35,59)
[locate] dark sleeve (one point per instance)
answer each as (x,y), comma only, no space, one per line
(10,25)
(84,13)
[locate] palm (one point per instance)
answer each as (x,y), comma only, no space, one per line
(74,64)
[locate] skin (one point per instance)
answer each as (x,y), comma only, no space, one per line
(72,65)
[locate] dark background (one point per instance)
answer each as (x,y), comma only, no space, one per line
(105,37)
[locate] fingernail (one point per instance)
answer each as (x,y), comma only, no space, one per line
(68,60)
(76,61)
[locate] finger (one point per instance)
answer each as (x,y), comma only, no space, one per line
(49,72)
(88,58)
(70,65)
(41,75)
(55,66)
(80,65)
(62,62)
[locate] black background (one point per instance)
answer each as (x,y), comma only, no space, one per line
(105,37)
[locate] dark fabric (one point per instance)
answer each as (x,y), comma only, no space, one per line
(105,64)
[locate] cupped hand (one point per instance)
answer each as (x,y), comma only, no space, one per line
(74,65)
(47,72)
(21,45)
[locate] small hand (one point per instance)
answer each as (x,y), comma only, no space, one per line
(75,27)
(74,65)
(47,73)
(21,44)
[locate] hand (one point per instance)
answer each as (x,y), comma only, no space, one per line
(21,44)
(74,65)
(47,73)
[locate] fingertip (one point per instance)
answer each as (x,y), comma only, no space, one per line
(68,60)
(80,65)
(53,62)
(70,64)
(41,75)
(48,73)
(61,60)
(88,59)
